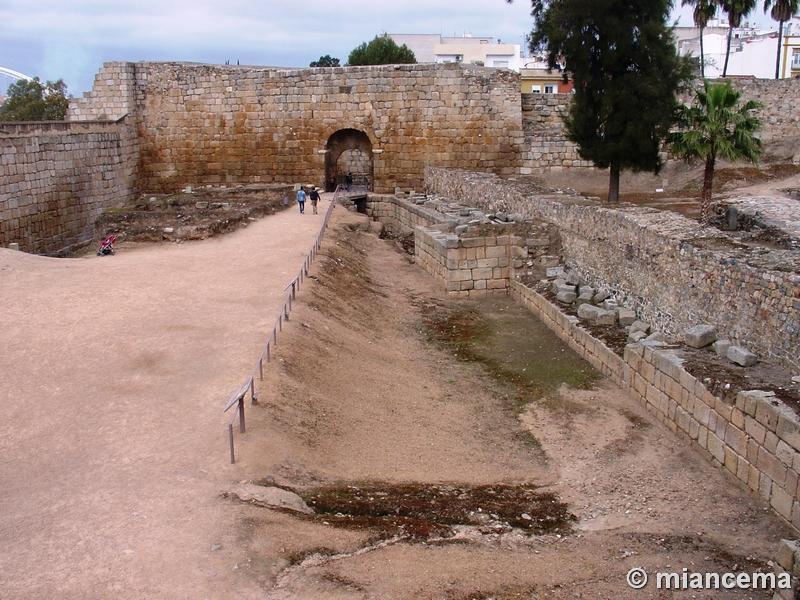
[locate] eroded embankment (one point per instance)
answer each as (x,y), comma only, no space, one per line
(382,399)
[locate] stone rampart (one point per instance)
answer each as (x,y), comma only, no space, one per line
(220,124)
(673,273)
(57,177)
(756,439)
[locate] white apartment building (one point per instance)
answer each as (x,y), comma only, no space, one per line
(434,48)
(753,51)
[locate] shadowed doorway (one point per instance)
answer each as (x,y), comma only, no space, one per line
(349,152)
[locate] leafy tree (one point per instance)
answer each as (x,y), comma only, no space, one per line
(736,11)
(34,101)
(782,11)
(325,61)
(381,51)
(704,11)
(716,126)
(626,71)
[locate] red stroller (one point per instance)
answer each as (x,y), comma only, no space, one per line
(107,246)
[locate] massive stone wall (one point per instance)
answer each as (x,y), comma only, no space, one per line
(672,272)
(218,124)
(56,178)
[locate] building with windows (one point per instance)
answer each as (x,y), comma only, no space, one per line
(753,51)
(790,49)
(483,51)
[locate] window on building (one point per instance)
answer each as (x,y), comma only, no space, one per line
(503,64)
(796,60)
(549,89)
(537,89)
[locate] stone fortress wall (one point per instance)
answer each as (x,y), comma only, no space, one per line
(190,124)
(218,124)
(56,178)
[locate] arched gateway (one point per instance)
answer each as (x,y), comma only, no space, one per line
(349,151)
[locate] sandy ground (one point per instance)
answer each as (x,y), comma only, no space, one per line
(115,451)
(114,373)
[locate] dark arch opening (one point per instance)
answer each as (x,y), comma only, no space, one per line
(349,151)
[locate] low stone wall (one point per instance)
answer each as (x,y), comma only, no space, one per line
(672,272)
(57,177)
(467,266)
(401,216)
(757,439)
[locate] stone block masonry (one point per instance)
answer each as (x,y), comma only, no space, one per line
(756,439)
(667,268)
(57,177)
(219,124)
(468,267)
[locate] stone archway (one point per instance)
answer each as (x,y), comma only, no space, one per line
(348,151)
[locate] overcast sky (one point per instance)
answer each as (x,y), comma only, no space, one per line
(71,39)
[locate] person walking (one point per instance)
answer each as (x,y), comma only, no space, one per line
(301,200)
(314,197)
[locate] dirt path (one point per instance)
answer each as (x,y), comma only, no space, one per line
(114,450)
(114,373)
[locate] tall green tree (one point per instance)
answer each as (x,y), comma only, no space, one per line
(703,11)
(736,11)
(35,101)
(716,125)
(782,11)
(325,61)
(382,50)
(625,70)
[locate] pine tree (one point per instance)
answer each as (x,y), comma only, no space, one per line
(626,71)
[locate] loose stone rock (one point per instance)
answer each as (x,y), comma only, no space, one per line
(270,497)
(699,336)
(721,347)
(588,312)
(742,357)
(640,326)
(601,296)
(605,317)
(626,316)
(636,336)
(566,297)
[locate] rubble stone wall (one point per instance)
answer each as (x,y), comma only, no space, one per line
(757,438)
(57,177)
(662,265)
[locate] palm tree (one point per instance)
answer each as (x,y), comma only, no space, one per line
(704,11)
(735,9)
(782,11)
(716,126)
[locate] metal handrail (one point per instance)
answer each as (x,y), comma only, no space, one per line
(237,398)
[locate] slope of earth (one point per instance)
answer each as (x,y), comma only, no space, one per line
(384,394)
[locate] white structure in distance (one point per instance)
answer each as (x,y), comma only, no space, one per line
(753,50)
(484,51)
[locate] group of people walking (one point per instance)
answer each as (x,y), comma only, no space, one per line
(312,196)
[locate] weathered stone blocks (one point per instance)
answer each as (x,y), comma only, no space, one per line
(699,336)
